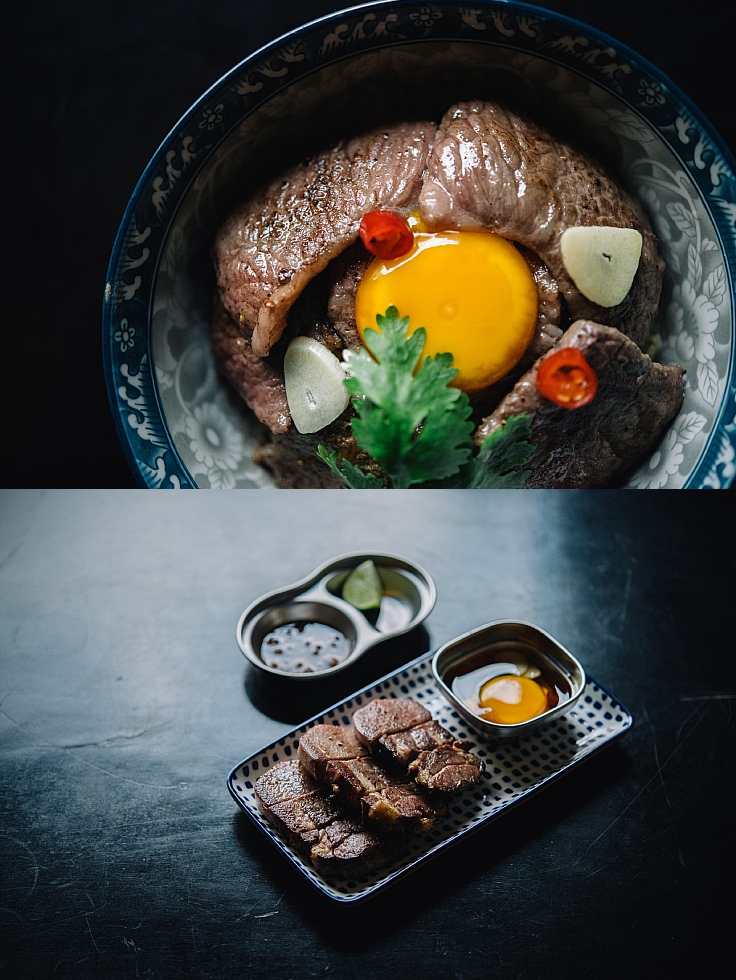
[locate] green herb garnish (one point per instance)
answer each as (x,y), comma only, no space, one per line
(417,427)
(502,456)
(350,474)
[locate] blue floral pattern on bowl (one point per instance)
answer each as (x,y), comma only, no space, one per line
(179,422)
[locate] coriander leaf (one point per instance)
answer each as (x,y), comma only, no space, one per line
(500,462)
(409,420)
(350,474)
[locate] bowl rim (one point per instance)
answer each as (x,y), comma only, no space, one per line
(161,437)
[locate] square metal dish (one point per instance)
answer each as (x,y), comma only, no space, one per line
(478,647)
(514,769)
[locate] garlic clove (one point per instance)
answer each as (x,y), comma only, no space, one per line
(601,261)
(315,388)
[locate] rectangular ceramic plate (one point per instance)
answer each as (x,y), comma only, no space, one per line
(514,768)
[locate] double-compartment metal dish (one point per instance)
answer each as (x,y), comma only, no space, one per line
(409,596)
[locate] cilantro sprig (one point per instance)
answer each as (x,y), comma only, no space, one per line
(414,425)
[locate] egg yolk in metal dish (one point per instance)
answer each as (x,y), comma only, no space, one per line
(509,699)
(472,291)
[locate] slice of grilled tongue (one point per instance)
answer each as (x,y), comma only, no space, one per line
(402,734)
(385,716)
(346,849)
(596,444)
(295,804)
(380,798)
(322,745)
(446,769)
(312,821)
(334,756)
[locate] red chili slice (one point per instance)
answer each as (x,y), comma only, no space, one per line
(567,379)
(386,234)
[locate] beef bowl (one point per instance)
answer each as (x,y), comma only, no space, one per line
(244,260)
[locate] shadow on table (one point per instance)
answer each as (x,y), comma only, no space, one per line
(485,860)
(294,700)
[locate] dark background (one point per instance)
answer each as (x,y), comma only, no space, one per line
(92,90)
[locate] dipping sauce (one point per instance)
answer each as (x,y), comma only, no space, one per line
(304,647)
(508,684)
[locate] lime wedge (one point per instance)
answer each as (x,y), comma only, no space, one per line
(363,587)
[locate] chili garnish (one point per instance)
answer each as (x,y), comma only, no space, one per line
(567,379)
(386,234)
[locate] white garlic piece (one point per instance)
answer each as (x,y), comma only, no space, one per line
(315,384)
(601,261)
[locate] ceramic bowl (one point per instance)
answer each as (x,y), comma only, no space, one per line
(181,425)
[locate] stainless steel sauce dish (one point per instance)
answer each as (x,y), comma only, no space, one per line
(466,666)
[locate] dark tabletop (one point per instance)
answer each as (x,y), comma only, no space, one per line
(125,702)
(93,88)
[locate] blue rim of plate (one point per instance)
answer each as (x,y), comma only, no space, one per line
(126,328)
(516,769)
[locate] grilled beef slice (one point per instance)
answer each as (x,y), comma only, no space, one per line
(447,769)
(636,400)
(324,744)
(348,850)
(381,798)
(258,380)
(334,756)
(490,168)
(295,804)
(309,818)
(385,716)
(403,734)
(276,242)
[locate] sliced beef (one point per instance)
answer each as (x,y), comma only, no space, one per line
(380,798)
(309,818)
(402,733)
(257,380)
(345,849)
(335,757)
(284,781)
(295,804)
(293,459)
(401,748)
(490,168)
(324,744)
(447,769)
(384,716)
(636,400)
(270,247)
(301,820)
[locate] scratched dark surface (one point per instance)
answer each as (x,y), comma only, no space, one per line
(95,89)
(125,702)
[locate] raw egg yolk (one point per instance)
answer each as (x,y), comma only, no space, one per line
(472,291)
(509,699)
